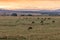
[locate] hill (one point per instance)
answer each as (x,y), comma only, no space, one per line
(31,11)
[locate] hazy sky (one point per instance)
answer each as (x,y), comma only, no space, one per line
(30,4)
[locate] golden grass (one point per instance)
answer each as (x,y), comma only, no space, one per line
(18,26)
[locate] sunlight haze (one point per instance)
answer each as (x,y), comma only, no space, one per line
(30,4)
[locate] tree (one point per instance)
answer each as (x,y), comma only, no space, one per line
(14,14)
(29,15)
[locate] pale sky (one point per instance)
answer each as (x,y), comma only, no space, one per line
(30,4)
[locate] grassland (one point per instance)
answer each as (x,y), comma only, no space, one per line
(16,28)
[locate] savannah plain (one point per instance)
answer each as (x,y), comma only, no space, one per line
(17,28)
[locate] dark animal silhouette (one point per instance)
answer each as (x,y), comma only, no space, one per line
(29,28)
(53,21)
(49,18)
(33,22)
(42,22)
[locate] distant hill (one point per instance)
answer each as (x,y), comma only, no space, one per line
(31,11)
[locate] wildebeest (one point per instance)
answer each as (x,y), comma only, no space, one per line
(43,19)
(29,28)
(49,18)
(53,21)
(33,22)
(42,22)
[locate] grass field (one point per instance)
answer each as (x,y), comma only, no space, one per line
(16,28)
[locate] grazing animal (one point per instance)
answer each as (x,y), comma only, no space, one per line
(49,18)
(42,19)
(33,22)
(53,21)
(42,22)
(29,28)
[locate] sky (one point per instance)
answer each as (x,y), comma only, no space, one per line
(30,4)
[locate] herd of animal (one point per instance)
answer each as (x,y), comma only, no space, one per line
(42,22)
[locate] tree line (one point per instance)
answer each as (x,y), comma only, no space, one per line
(15,14)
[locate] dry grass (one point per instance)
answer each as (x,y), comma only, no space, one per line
(16,28)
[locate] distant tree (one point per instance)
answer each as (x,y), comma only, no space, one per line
(14,14)
(29,15)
